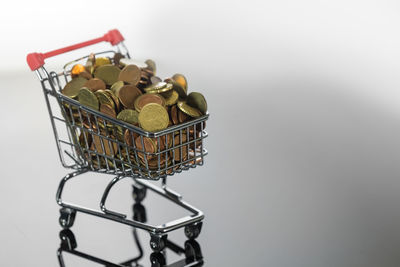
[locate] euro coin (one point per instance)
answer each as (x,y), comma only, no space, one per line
(177,87)
(116,86)
(95,84)
(153,117)
(129,116)
(188,110)
(88,98)
(72,88)
(180,153)
(77,69)
(117,57)
(179,78)
(100,142)
(100,61)
(104,98)
(151,65)
(127,95)
(158,88)
(172,99)
(197,100)
(108,110)
(108,73)
(174,114)
(145,99)
(130,74)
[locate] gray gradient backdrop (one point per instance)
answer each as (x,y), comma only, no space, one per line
(304,129)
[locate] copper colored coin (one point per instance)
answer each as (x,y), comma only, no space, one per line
(182,117)
(110,147)
(130,74)
(85,75)
(127,95)
(129,136)
(117,58)
(145,99)
(115,99)
(174,115)
(177,151)
(147,146)
(108,110)
(95,84)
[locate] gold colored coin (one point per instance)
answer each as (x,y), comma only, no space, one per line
(88,98)
(182,117)
(158,88)
(72,88)
(95,84)
(110,147)
(153,117)
(127,95)
(179,78)
(172,99)
(197,100)
(108,73)
(188,110)
(77,69)
(178,156)
(115,99)
(130,74)
(104,98)
(116,86)
(177,87)
(108,110)
(145,99)
(90,63)
(100,61)
(129,116)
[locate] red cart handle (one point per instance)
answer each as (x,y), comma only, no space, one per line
(36,60)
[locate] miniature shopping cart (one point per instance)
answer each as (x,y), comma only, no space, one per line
(74,124)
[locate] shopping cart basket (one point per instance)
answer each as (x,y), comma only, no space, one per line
(178,147)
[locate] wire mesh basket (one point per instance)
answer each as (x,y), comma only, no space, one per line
(87,138)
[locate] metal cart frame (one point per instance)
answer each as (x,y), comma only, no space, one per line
(69,119)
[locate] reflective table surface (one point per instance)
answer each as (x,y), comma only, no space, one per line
(301,176)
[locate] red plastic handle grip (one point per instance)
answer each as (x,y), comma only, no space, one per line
(36,60)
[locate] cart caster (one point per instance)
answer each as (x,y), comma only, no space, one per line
(192,231)
(157,242)
(192,251)
(157,259)
(139,192)
(68,241)
(67,217)
(139,213)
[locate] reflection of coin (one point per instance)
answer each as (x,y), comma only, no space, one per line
(130,74)
(95,84)
(198,101)
(88,98)
(128,94)
(72,88)
(108,73)
(145,99)
(129,116)
(153,117)
(188,110)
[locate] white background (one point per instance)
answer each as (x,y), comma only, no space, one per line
(304,126)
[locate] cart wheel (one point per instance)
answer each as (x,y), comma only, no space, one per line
(68,241)
(192,231)
(192,251)
(67,217)
(157,242)
(157,259)
(139,192)
(139,213)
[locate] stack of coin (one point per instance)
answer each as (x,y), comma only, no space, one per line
(128,90)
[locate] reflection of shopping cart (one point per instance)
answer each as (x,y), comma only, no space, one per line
(121,149)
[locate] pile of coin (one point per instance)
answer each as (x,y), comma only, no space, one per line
(129,90)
